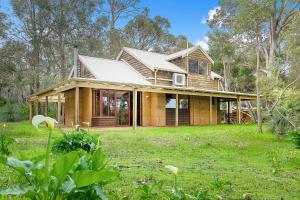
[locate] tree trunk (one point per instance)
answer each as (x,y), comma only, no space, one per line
(258,111)
(226,77)
(61,41)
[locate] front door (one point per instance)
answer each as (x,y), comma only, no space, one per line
(123,108)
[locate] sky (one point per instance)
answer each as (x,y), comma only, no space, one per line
(187,17)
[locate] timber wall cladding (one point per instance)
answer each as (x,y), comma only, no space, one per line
(164,78)
(154,112)
(69,107)
(199,110)
(197,80)
(85,106)
(83,72)
(137,65)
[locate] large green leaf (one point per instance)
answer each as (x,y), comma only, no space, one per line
(17,190)
(98,159)
(21,166)
(99,192)
(68,185)
(64,164)
(89,177)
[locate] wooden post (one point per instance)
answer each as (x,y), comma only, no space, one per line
(238,110)
(58,108)
(176,111)
(37,107)
(134,110)
(30,111)
(228,111)
(210,110)
(46,106)
(76,105)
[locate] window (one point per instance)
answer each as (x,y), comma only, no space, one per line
(170,101)
(184,103)
(104,102)
(203,68)
(193,66)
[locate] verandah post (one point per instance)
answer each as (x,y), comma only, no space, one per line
(46,106)
(37,107)
(210,110)
(134,110)
(76,105)
(238,111)
(176,111)
(58,108)
(30,111)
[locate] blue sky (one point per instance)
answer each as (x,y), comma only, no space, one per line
(186,16)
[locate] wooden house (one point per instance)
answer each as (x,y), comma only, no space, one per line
(140,88)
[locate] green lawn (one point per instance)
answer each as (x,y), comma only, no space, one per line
(228,160)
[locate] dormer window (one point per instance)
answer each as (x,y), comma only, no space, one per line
(198,67)
(203,68)
(193,66)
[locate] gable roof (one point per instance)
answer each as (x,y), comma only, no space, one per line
(112,70)
(185,52)
(152,60)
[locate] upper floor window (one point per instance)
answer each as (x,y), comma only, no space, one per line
(193,66)
(203,68)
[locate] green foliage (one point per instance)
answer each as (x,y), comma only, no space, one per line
(76,140)
(157,191)
(2,101)
(286,116)
(295,136)
(5,141)
(72,174)
(12,112)
(150,191)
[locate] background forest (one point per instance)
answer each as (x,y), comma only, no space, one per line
(255,46)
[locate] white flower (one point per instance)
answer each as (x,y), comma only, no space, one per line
(4,125)
(172,169)
(38,119)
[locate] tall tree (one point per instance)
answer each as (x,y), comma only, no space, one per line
(67,19)
(33,18)
(221,48)
(117,10)
(144,33)
(280,14)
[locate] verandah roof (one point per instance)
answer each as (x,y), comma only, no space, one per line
(93,83)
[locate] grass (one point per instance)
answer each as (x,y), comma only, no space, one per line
(228,160)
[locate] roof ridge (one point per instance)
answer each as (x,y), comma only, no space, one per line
(146,51)
(100,58)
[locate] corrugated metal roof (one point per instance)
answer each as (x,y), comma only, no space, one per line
(112,70)
(215,75)
(188,51)
(153,60)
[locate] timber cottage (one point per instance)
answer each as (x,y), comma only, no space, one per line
(140,88)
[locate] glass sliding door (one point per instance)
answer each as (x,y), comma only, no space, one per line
(123,108)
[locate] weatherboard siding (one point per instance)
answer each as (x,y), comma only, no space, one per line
(197,80)
(137,65)
(83,72)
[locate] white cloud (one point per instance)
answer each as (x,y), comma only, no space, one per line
(203,43)
(211,14)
